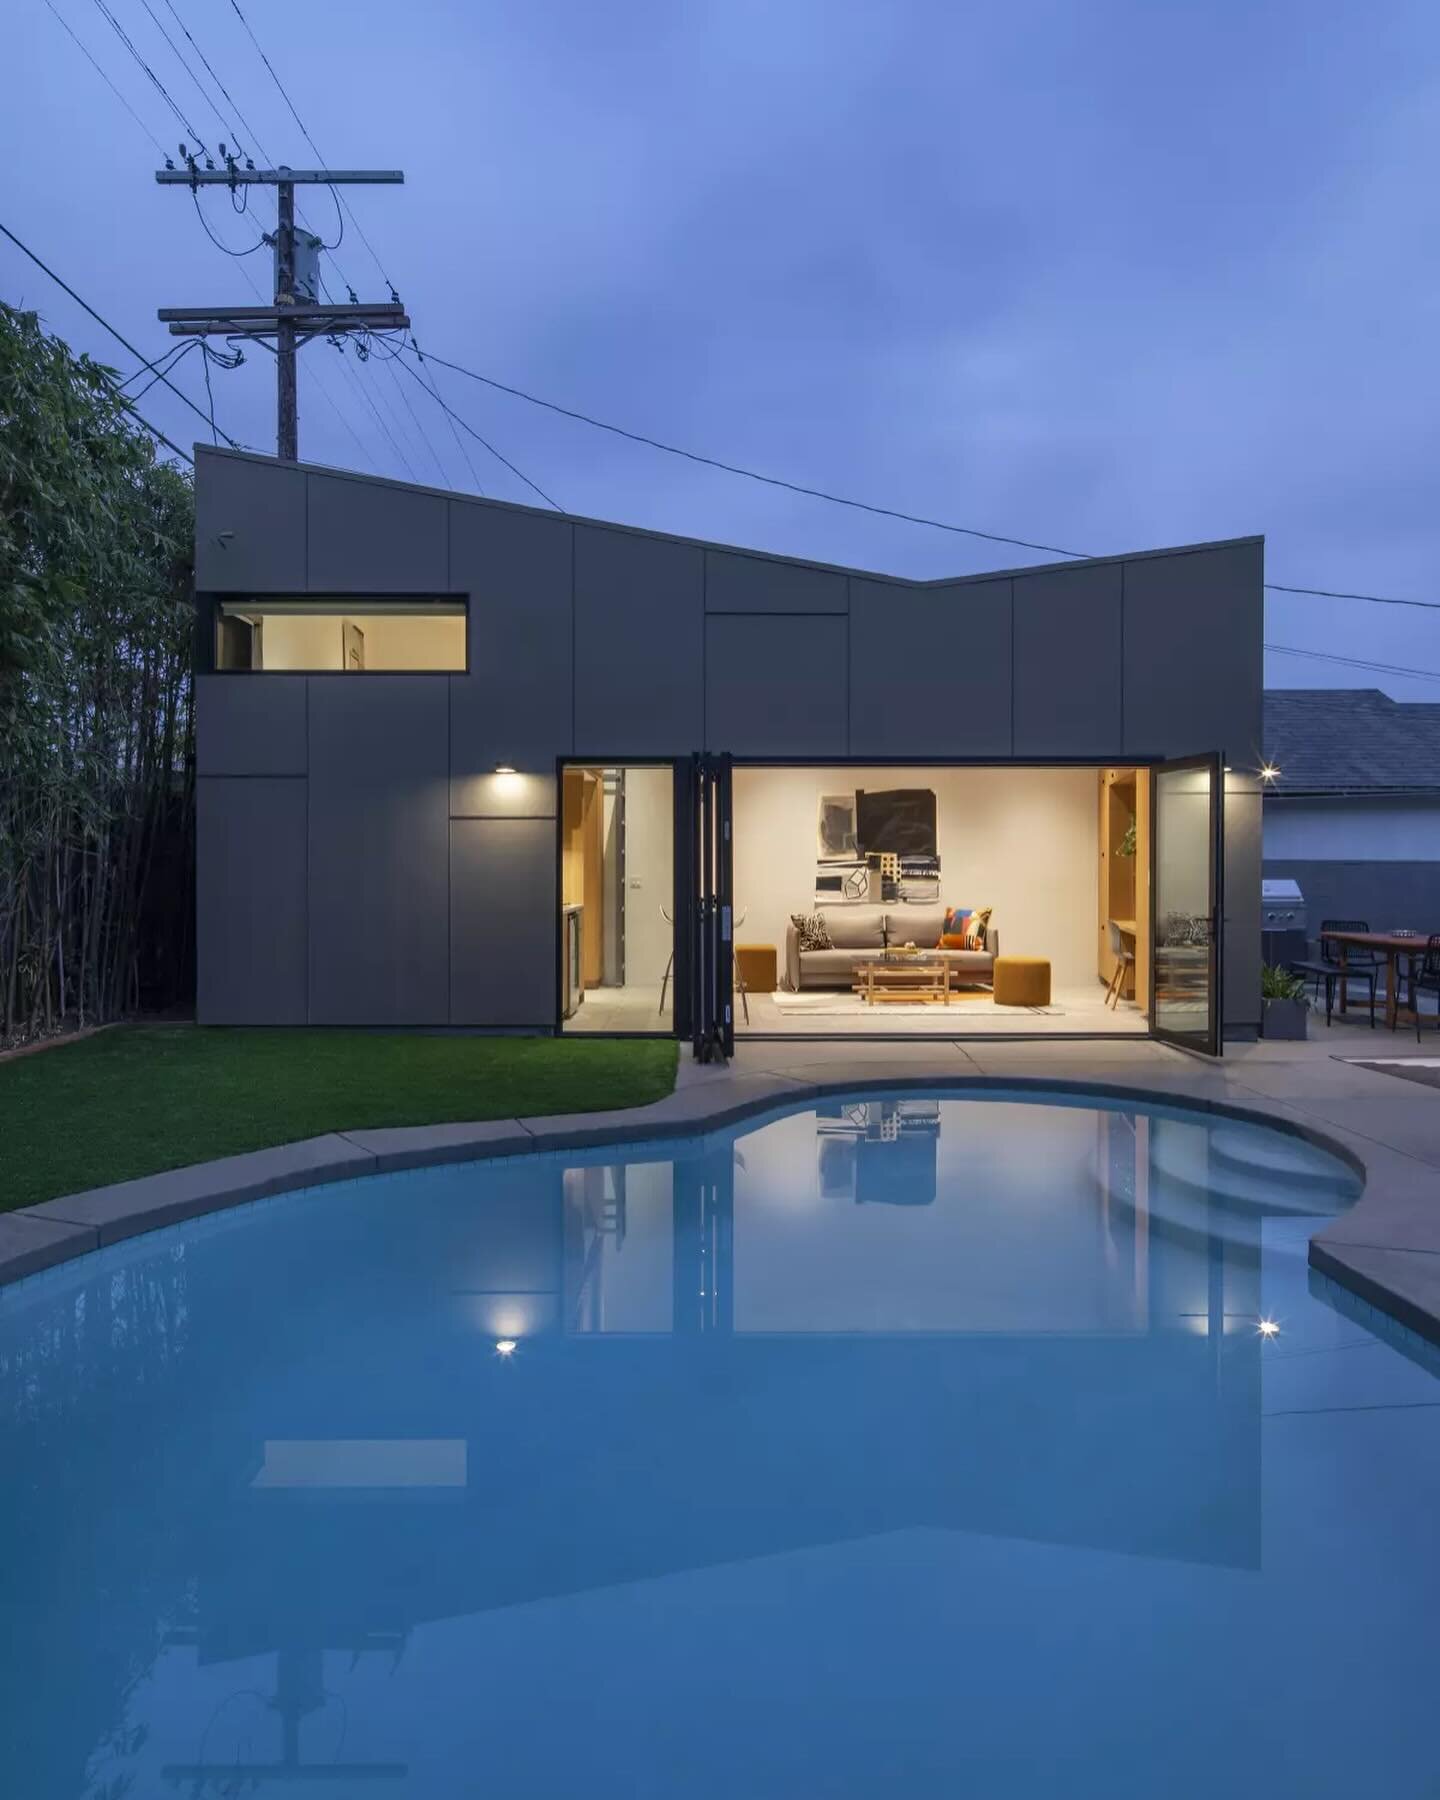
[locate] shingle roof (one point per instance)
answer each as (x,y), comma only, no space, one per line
(1351,741)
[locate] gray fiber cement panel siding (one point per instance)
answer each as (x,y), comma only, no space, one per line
(250,900)
(250,726)
(503,922)
(776,686)
(379,850)
(754,584)
(367,538)
(1194,625)
(639,644)
(250,527)
(930,669)
(1067,662)
(516,569)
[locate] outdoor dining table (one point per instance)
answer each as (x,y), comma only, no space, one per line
(1394,945)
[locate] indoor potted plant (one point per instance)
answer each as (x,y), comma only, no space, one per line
(1283,1007)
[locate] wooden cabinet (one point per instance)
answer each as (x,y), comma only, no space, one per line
(582,866)
(1124,845)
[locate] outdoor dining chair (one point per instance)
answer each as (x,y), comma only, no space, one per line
(1425,976)
(1359,964)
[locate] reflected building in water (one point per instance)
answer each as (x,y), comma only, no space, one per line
(568,1375)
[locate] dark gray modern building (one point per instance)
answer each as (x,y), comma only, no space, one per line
(464,763)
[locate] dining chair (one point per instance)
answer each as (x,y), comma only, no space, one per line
(1425,974)
(1124,962)
(1337,961)
(669,918)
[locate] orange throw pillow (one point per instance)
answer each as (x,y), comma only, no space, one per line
(953,940)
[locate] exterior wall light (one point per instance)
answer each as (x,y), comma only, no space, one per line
(505,1347)
(1268,772)
(504,768)
(1267,1328)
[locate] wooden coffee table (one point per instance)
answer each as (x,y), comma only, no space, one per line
(916,979)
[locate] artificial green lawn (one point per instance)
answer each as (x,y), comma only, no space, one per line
(143,1098)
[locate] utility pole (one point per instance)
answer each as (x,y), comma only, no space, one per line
(297,315)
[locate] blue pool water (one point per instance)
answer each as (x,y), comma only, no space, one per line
(898,1447)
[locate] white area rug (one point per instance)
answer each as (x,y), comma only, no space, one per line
(829,1003)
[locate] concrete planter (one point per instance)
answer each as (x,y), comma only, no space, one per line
(1284,1020)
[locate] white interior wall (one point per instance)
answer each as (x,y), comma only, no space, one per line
(1024,841)
(298,641)
(293,641)
(649,873)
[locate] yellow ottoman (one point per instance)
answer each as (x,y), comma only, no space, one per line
(1022,981)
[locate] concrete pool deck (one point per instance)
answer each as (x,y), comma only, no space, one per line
(1386,1249)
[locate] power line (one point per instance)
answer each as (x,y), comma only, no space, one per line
(140,393)
(712,462)
(465,425)
(217,241)
(175,354)
(1355,662)
(1279,587)
(888,512)
(179,56)
(160,86)
(119,338)
(460,443)
(420,431)
(154,430)
(235,110)
(341,202)
(84,50)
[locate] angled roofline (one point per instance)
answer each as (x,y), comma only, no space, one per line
(209,452)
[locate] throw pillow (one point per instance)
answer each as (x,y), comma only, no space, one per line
(975,927)
(953,940)
(955,917)
(814,932)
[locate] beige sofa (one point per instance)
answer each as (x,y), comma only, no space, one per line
(862,932)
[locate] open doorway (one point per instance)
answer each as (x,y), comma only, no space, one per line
(617,897)
(949,900)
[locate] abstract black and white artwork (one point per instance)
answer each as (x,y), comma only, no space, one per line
(855,831)
(835,829)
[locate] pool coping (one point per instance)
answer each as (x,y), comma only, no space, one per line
(1386,1249)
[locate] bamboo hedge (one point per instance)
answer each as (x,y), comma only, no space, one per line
(96,724)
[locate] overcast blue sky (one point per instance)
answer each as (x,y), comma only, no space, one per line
(1105,273)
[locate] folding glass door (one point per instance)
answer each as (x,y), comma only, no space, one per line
(1187,799)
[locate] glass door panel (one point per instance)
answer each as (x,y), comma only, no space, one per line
(1186,799)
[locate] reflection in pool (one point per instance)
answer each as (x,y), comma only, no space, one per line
(900,1445)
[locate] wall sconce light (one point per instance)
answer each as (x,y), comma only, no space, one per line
(505,1347)
(1268,772)
(1267,1328)
(504,768)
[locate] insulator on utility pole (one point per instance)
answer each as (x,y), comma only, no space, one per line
(297,315)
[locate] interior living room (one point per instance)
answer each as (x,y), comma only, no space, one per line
(953,900)
(949,900)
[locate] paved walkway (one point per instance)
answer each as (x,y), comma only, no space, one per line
(1387,1248)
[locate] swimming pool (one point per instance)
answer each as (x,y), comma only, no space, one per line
(903,1445)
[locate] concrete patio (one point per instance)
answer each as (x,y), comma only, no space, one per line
(1386,1249)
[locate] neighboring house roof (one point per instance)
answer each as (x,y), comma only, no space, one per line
(1351,741)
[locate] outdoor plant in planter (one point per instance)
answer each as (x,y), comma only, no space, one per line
(1283,1007)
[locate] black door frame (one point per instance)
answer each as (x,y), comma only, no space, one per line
(711,913)
(681,888)
(1208,1042)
